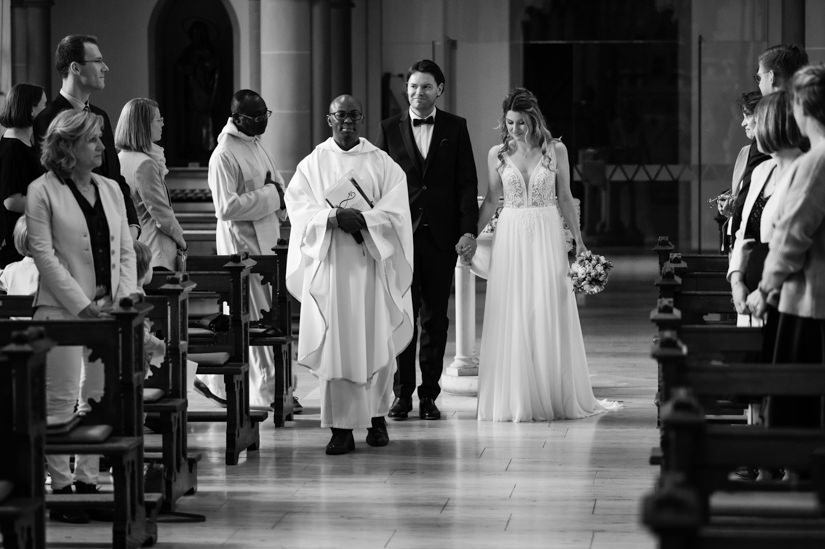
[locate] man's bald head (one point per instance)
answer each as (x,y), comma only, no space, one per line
(345,118)
(345,102)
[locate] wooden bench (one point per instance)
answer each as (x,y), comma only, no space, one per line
(23,428)
(227,282)
(114,426)
(695,505)
(180,467)
(275,329)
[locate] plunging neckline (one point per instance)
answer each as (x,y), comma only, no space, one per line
(527,182)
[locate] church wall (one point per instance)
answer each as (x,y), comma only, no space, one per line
(122,28)
(470,40)
(733,33)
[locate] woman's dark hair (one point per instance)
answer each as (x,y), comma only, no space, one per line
(776,128)
(21,99)
(748,100)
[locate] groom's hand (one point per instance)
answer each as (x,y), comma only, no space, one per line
(466,247)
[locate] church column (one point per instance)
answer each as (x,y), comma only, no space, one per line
(793,22)
(31,42)
(461,377)
(286,80)
(321,62)
(340,39)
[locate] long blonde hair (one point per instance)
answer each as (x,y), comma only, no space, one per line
(522,100)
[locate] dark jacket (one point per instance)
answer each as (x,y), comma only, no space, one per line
(111,165)
(443,189)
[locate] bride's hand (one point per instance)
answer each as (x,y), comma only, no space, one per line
(580,248)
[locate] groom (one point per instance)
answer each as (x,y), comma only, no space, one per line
(433,148)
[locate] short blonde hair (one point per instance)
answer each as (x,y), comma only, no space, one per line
(134,127)
(64,132)
(21,236)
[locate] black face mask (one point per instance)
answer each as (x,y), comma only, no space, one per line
(250,126)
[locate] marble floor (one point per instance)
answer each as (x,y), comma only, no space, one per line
(454,483)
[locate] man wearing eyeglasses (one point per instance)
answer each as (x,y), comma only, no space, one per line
(350,265)
(81,67)
(247,191)
(777,65)
(433,148)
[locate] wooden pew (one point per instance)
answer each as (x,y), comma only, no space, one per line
(23,429)
(275,330)
(713,510)
(114,426)
(227,281)
(180,467)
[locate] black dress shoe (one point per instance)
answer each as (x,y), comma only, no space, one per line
(342,442)
(203,389)
(401,406)
(69,516)
(296,406)
(377,434)
(427,409)
(103,515)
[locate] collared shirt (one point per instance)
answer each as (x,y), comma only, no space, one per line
(423,133)
(76,103)
(98,234)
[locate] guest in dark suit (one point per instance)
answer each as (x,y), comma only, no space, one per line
(433,148)
(80,64)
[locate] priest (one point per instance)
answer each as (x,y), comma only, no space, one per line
(350,265)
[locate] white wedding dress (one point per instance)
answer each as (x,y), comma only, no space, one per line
(532,364)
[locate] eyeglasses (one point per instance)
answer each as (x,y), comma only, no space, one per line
(259,118)
(355,116)
(95,60)
(758,77)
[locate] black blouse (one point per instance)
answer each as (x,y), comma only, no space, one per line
(19,166)
(98,235)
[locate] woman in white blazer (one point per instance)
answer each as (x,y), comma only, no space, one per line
(793,279)
(80,241)
(143,165)
(777,135)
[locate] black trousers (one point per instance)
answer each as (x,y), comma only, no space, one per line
(432,282)
(798,339)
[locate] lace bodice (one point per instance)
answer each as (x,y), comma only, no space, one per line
(537,192)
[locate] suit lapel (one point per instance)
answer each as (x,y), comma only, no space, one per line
(405,127)
(438,132)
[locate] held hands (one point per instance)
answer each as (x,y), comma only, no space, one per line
(466,248)
(351,221)
(739,292)
(269,181)
(757,304)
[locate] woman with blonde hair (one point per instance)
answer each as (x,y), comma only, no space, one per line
(143,165)
(532,363)
(80,241)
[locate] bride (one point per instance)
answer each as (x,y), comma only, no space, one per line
(532,363)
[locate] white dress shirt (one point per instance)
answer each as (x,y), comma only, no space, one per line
(423,133)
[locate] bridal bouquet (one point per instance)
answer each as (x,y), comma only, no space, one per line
(589,273)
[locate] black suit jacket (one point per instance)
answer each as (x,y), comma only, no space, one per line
(442,189)
(111,164)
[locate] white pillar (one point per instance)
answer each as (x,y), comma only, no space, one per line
(461,377)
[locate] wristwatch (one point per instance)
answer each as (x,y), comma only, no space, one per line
(469,235)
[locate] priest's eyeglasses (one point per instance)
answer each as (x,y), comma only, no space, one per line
(340,116)
(258,119)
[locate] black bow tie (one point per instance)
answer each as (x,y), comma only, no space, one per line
(419,121)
